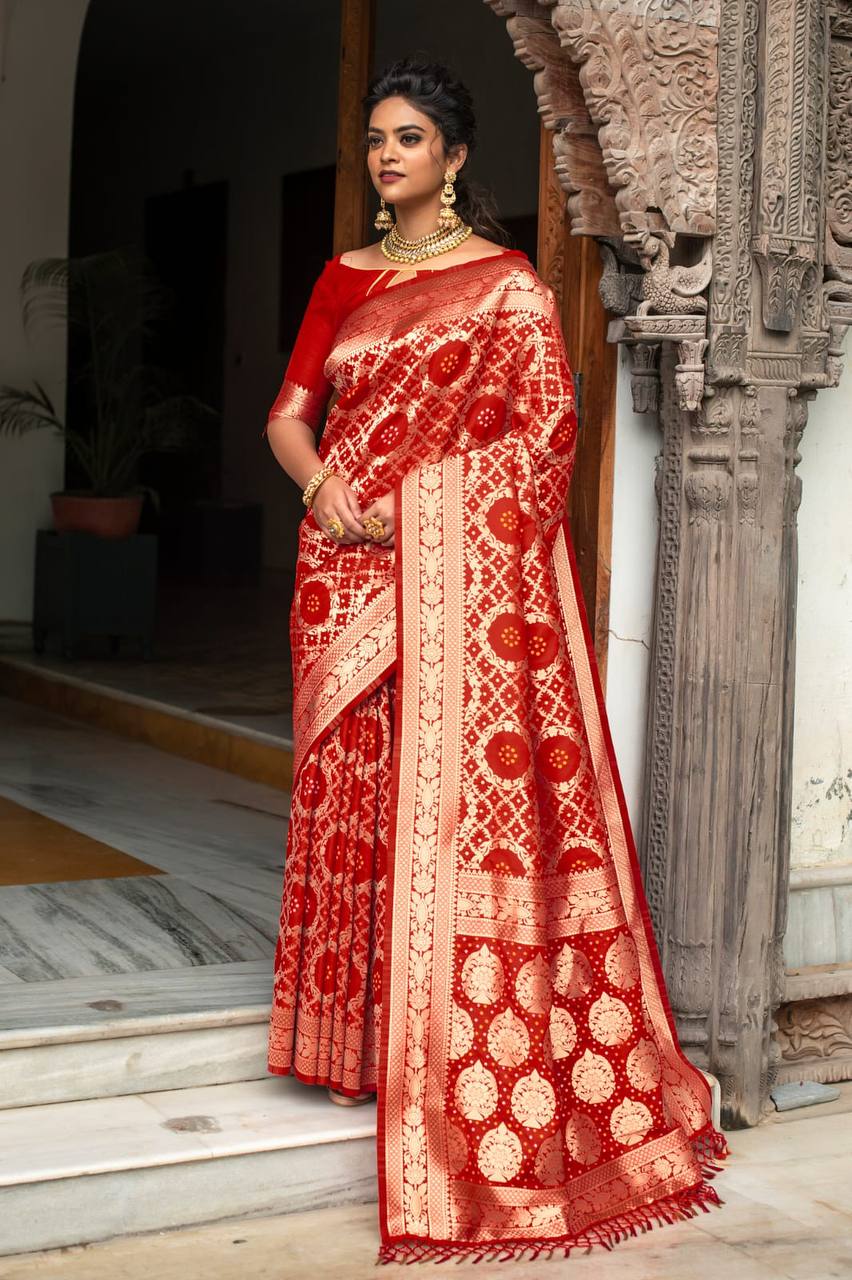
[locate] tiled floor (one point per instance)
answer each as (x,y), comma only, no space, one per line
(787,1215)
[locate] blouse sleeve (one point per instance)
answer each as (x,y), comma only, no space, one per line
(305,390)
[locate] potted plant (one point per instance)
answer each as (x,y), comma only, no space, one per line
(111,303)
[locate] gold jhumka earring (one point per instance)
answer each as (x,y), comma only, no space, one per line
(383,221)
(448,219)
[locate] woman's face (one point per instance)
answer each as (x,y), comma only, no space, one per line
(401,140)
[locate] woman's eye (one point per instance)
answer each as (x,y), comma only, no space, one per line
(406,137)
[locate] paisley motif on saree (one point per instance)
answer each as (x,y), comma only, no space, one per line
(532,1092)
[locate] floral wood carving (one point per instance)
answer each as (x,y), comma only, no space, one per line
(815,1039)
(630,93)
(649,86)
(837,290)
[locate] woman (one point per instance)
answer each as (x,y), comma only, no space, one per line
(464,932)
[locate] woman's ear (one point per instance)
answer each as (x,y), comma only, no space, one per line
(457,156)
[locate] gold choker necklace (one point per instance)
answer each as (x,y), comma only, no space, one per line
(398,249)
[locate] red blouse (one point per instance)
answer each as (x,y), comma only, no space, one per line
(338,289)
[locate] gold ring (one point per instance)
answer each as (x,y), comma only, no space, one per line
(375,527)
(335,528)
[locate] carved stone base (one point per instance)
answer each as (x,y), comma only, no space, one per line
(815,1039)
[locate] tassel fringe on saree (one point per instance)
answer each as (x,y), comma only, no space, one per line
(532,1094)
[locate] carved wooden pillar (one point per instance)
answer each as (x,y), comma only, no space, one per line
(719,191)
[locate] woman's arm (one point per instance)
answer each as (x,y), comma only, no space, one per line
(293,443)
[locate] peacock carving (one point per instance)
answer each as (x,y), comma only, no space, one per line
(669,290)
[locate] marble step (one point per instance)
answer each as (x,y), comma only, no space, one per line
(133,1033)
(76,1172)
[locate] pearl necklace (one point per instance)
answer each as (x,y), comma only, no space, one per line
(398,249)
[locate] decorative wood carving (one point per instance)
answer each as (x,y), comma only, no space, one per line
(649,76)
(630,93)
(837,290)
(815,1039)
(577,156)
(724,129)
(788,239)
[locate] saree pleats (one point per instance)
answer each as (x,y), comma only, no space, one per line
(326,1007)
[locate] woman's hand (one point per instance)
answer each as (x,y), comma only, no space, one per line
(385,509)
(334,499)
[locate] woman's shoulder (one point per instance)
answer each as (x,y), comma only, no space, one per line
(370,255)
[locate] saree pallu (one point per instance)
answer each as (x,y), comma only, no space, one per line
(532,1094)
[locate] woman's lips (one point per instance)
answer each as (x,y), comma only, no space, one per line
(390,177)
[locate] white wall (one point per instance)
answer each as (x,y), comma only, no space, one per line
(41,40)
(822,752)
(635,523)
(822,748)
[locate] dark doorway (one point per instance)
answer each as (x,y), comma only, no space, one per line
(185,238)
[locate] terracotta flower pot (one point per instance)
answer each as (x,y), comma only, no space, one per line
(104,517)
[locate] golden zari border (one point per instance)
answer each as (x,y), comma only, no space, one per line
(538,913)
(348,668)
(296,401)
(692,1117)
(494,285)
(418,997)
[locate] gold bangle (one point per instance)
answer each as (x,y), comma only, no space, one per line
(314,483)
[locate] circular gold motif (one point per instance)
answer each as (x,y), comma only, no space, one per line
(482,976)
(550,1162)
(592,1077)
(622,963)
(563,1032)
(533,1101)
(476,1092)
(508,1039)
(500,1154)
(610,1021)
(572,973)
(630,1121)
(532,986)
(643,1066)
(461,1033)
(582,1140)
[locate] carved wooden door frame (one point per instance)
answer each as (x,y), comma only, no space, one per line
(706,145)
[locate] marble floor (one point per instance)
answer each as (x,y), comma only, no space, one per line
(220,651)
(787,1215)
(201,886)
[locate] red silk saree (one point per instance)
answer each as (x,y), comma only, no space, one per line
(465,930)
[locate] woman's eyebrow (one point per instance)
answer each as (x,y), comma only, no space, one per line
(403,128)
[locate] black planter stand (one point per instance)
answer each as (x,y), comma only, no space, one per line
(85,585)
